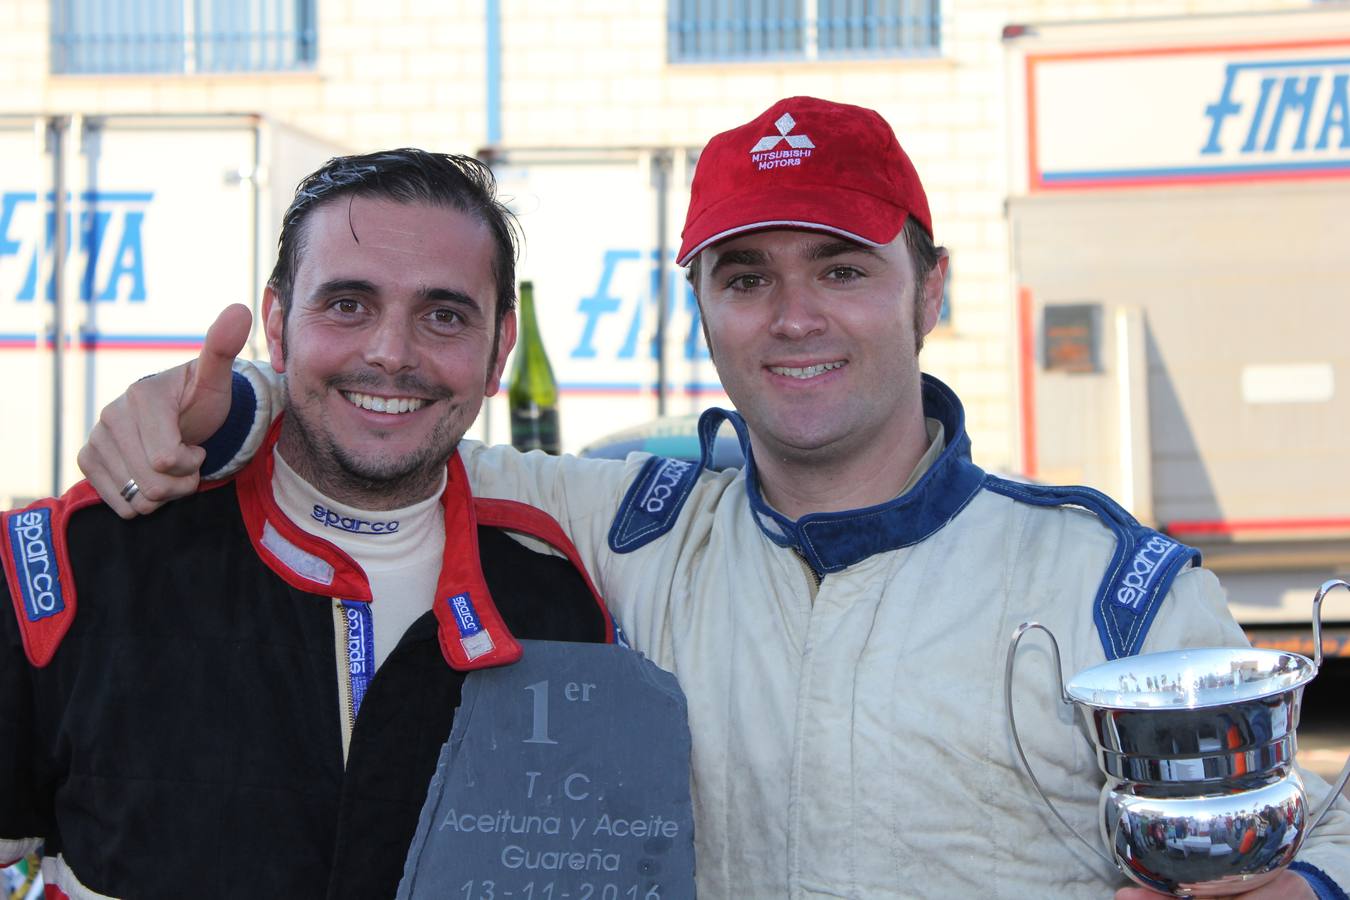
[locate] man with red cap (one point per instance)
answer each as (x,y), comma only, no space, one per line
(839,609)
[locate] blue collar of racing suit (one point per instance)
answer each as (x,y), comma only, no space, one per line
(832,541)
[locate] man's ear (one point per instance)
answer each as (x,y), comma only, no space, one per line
(933,286)
(506,339)
(274,326)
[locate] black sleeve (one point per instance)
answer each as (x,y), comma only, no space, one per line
(541,597)
(24,799)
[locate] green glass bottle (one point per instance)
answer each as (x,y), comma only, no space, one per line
(533,392)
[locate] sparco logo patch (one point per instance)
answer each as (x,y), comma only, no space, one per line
(663,484)
(30,536)
(360,640)
(360,622)
(474,639)
(766,155)
(1142,570)
(355,526)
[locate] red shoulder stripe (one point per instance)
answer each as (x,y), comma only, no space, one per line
(516,516)
(36,562)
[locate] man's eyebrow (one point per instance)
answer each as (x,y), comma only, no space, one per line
(344,286)
(746,257)
(361,286)
(449,295)
(829,249)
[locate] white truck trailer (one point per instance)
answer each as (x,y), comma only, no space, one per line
(1180,247)
(121,237)
(165,220)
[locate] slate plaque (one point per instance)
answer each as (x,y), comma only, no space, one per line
(566,777)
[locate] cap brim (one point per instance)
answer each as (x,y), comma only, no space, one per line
(855,215)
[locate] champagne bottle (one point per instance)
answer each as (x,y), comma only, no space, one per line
(533,392)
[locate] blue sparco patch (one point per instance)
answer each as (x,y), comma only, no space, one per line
(466,617)
(30,537)
(1134,585)
(360,648)
(653,502)
(472,635)
(1139,575)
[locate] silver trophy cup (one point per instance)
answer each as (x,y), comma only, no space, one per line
(1201,796)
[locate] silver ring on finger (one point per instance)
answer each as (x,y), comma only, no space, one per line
(130,490)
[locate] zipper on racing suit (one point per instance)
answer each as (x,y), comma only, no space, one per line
(813,579)
(354,650)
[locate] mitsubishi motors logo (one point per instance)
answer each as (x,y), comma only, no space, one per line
(799,146)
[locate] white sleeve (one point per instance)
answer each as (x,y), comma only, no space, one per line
(583,495)
(259,397)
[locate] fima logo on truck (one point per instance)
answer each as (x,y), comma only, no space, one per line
(1196,113)
(605,302)
(109,238)
(1261,98)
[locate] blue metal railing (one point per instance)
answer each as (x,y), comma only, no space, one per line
(730,30)
(181,36)
(709,30)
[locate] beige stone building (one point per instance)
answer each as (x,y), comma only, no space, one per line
(462,76)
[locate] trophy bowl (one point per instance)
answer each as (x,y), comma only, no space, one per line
(1210,845)
(1198,750)
(1197,747)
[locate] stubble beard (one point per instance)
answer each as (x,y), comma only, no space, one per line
(359,481)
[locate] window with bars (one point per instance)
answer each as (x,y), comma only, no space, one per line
(181,36)
(729,30)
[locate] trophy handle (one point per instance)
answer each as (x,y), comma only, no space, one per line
(1317,663)
(1017,740)
(1327,587)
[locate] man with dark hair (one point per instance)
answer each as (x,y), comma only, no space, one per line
(838,611)
(405,176)
(254,693)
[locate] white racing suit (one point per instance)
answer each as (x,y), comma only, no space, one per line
(849,737)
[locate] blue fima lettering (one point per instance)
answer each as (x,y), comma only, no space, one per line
(8,246)
(1295,101)
(129,261)
(600,303)
(1224,107)
(126,275)
(603,302)
(628,349)
(1338,114)
(1254,132)
(694,348)
(1294,97)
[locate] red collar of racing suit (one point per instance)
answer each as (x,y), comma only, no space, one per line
(471,631)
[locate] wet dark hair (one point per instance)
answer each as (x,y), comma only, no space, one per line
(403,176)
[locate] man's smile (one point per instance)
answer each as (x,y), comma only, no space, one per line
(392,405)
(806,371)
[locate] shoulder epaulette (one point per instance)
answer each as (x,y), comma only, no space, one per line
(1141,570)
(36,563)
(653,502)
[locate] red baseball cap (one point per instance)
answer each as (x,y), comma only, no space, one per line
(804,163)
